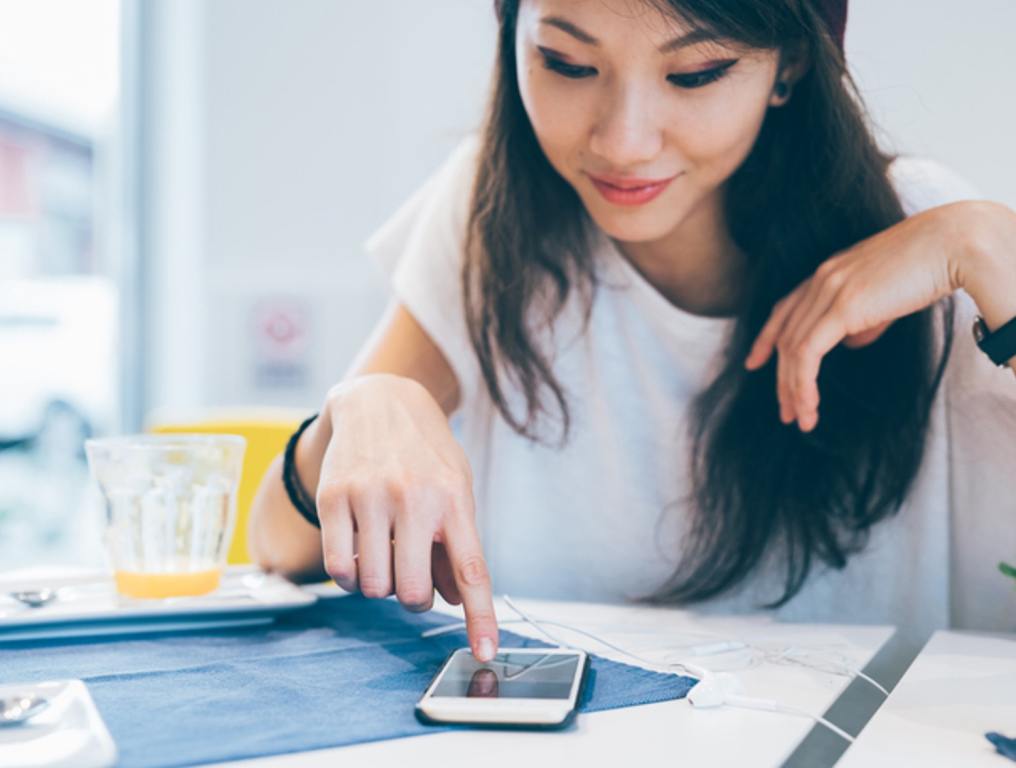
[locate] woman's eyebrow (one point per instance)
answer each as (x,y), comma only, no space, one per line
(682,41)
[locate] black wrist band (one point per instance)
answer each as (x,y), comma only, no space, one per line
(999,345)
(298,496)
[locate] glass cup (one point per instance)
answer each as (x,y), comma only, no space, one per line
(170,509)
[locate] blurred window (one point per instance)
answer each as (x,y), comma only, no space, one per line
(59,76)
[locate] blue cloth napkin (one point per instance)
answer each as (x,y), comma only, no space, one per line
(344,671)
(1003,745)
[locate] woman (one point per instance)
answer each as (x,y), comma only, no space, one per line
(698,333)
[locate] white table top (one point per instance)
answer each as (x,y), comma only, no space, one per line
(961,686)
(647,735)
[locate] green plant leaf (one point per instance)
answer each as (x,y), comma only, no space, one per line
(1007,569)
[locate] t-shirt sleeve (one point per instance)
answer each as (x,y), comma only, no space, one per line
(421,250)
(980,401)
(922,183)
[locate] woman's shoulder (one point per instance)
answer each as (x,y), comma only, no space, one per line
(420,250)
(435,212)
(922,183)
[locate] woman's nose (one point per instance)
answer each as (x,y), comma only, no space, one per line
(627,134)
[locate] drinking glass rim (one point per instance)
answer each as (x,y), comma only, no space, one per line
(168,441)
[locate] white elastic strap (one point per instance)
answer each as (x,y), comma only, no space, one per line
(770,705)
(844,668)
(532,623)
(692,669)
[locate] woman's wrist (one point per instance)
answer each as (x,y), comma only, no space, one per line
(310,451)
(986,267)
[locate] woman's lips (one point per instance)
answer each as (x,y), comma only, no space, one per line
(629,191)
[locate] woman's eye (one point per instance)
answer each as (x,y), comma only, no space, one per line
(700,79)
(573,71)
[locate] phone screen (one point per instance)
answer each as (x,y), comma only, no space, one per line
(509,675)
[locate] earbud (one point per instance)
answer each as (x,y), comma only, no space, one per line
(782,89)
(720,688)
(714,690)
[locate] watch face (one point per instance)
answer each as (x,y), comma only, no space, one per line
(980,329)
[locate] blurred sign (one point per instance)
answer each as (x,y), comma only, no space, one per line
(281,333)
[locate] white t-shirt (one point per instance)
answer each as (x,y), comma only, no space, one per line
(601,519)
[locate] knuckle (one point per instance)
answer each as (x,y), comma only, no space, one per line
(338,567)
(448,495)
(415,594)
(341,576)
(456,492)
(438,496)
(473,571)
(417,517)
(331,494)
(826,268)
(372,585)
(360,486)
(845,299)
(835,280)
(395,490)
(802,350)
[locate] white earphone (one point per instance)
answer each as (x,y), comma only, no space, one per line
(713,689)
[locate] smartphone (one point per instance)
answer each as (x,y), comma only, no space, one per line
(522,687)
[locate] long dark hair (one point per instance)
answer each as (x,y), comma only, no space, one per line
(814,183)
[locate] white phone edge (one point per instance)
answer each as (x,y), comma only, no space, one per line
(524,712)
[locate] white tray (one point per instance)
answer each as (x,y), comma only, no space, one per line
(89,605)
(67,734)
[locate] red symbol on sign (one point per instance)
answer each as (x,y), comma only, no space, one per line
(281,329)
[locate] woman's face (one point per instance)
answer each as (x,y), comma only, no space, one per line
(643,119)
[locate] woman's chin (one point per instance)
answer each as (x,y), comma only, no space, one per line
(634,226)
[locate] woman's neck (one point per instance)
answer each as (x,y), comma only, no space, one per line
(697,267)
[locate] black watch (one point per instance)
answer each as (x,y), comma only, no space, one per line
(298,496)
(999,345)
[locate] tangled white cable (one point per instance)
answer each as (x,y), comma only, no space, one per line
(713,689)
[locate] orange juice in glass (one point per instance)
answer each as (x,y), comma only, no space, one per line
(170,509)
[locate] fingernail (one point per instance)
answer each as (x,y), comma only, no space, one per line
(485,650)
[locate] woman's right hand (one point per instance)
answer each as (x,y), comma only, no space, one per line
(394,475)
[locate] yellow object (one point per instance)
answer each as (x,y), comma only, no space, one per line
(159,585)
(266,432)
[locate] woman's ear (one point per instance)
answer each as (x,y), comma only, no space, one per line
(793,66)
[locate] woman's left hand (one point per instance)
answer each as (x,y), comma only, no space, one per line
(855,295)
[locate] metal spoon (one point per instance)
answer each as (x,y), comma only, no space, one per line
(34,598)
(17,709)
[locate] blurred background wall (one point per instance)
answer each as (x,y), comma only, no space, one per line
(287,133)
(203,174)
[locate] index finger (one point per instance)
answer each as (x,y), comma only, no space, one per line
(471,576)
